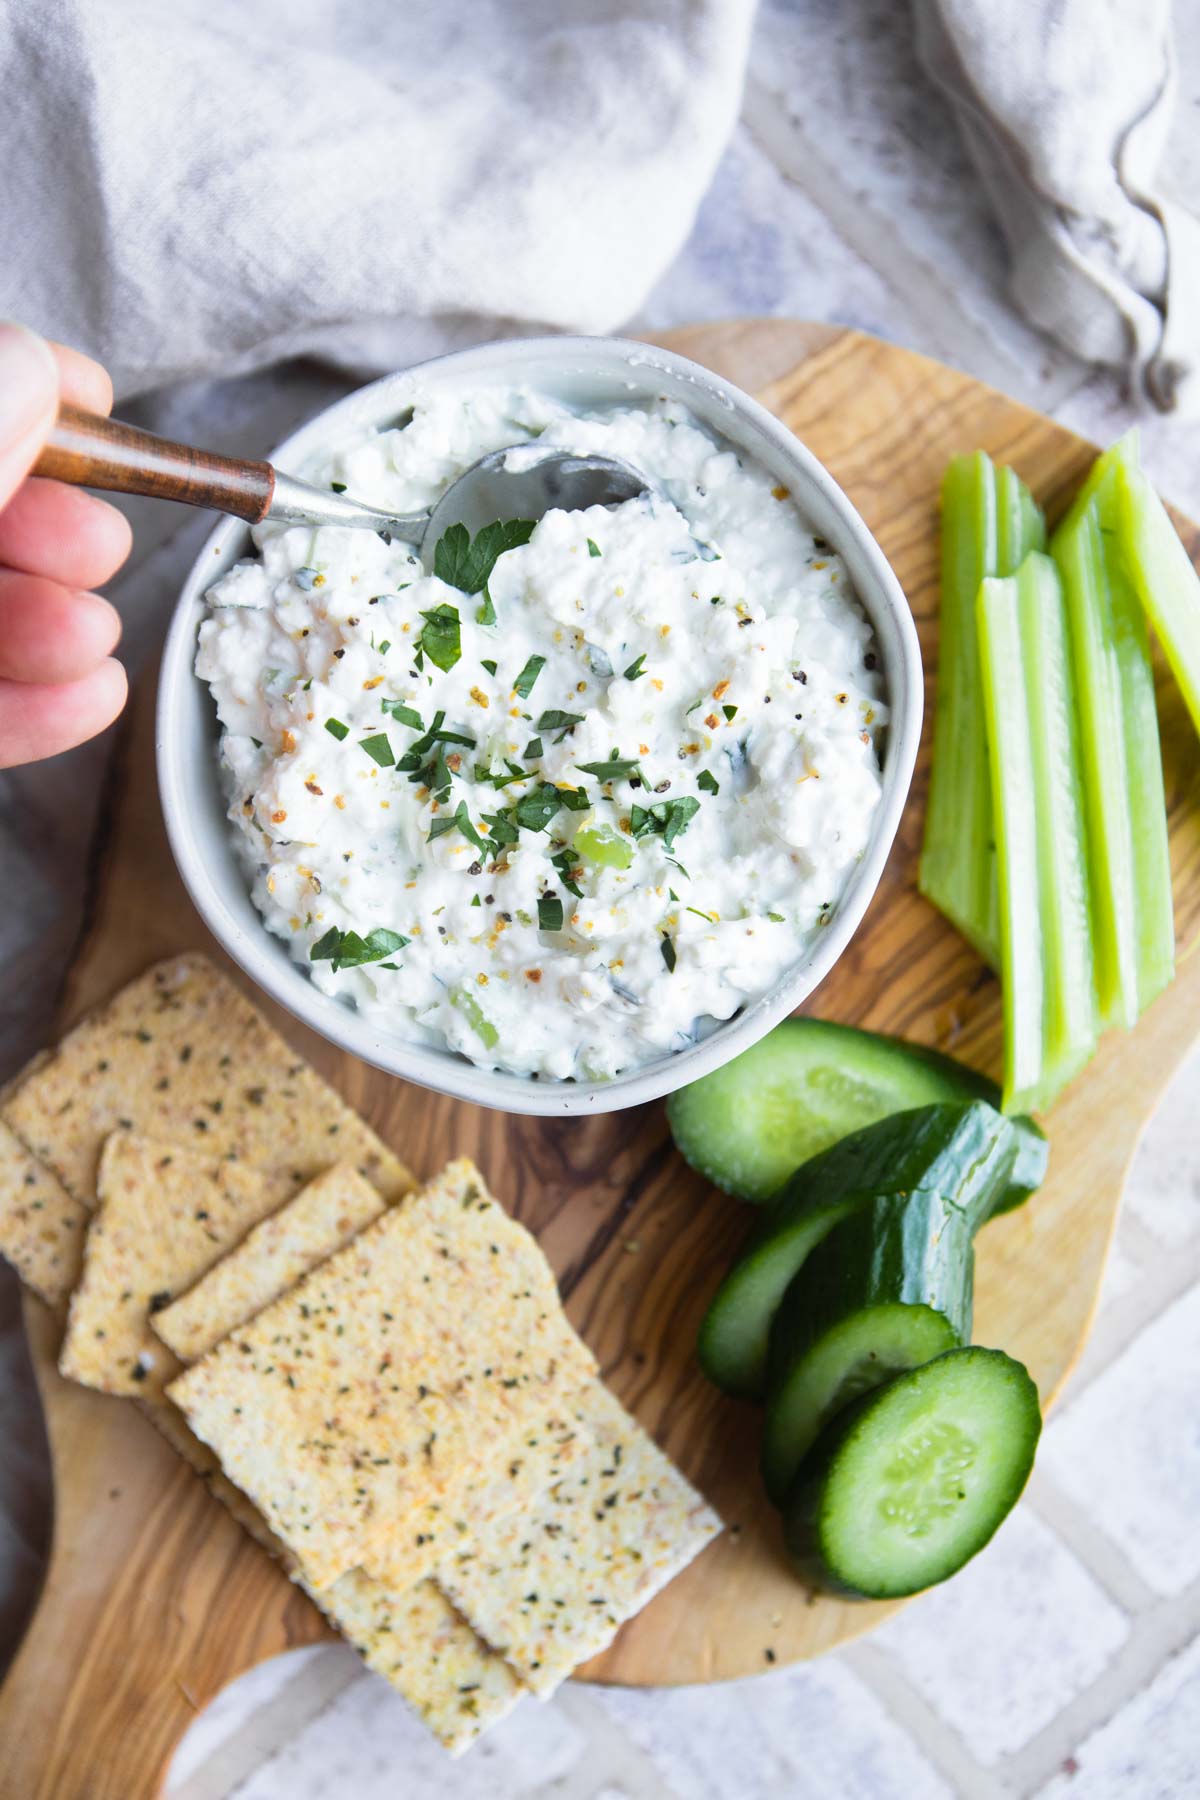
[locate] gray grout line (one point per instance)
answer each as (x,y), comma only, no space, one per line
(613,1759)
(1157,1636)
(874,238)
(319,1683)
(936,1740)
(1089,1544)
(1173,1273)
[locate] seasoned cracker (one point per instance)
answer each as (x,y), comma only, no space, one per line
(551,1585)
(165,1217)
(181,1055)
(404,1370)
(425,1648)
(41,1227)
(324,1215)
(170,1423)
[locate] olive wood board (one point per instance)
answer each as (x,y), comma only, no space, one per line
(154,1599)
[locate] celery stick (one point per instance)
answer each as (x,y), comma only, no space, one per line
(1009,736)
(1125,807)
(1166,580)
(1068,975)
(989,522)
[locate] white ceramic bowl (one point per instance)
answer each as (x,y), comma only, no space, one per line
(582,372)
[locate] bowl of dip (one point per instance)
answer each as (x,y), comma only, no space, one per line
(580,815)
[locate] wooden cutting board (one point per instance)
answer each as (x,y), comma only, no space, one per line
(154,1599)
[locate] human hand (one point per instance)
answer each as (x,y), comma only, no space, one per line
(58,682)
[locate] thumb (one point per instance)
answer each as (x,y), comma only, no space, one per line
(28,402)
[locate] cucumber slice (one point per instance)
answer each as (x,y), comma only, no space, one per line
(906,1486)
(803,1087)
(888,1289)
(965,1152)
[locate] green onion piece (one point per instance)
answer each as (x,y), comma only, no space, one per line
(336,729)
(379,748)
(1166,580)
(1041,844)
(1125,804)
(523,685)
(475,1016)
(604,845)
(550,913)
(989,524)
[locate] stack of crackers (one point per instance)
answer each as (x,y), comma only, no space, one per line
(378,1380)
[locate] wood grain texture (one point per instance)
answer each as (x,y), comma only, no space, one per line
(88,450)
(154,1600)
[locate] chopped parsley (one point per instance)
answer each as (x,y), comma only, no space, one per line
(708,781)
(346,950)
(489,666)
(574,799)
(513,772)
(336,729)
(550,913)
(533,750)
(385,646)
(594,548)
(565,865)
(441,636)
(404,715)
(730,712)
(501,827)
(465,563)
(636,668)
(617,768)
(668,953)
(534,810)
(562,722)
(523,685)
(339,487)
(379,748)
(459,820)
(666,818)
(485,612)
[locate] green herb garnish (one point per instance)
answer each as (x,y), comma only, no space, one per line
(489,666)
(336,729)
(730,712)
(459,820)
(385,646)
(668,954)
(778,918)
(502,829)
(617,768)
(465,564)
(534,811)
(379,748)
(550,913)
(523,685)
(565,865)
(594,548)
(339,487)
(668,818)
(533,750)
(441,636)
(404,715)
(346,950)
(636,670)
(485,612)
(708,781)
(562,722)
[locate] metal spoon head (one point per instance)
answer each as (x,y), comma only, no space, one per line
(525,482)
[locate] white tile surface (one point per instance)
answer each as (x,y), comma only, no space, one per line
(1149,1750)
(1002,1648)
(1128,1450)
(1163,1191)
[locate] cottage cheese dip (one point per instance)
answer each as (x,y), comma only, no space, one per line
(567,803)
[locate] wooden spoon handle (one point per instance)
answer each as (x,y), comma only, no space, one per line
(90,451)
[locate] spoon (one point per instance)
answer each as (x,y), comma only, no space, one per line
(90,451)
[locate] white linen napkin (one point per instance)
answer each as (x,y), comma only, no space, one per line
(208,186)
(1065,106)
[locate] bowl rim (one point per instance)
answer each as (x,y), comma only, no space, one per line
(444,1071)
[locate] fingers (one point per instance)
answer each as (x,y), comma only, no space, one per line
(48,633)
(41,720)
(82,382)
(28,402)
(63,532)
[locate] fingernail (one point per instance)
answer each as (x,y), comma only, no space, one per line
(28,378)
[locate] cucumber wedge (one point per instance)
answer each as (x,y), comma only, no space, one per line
(806,1085)
(1129,867)
(889,1289)
(1045,930)
(1165,578)
(989,524)
(964,1152)
(905,1487)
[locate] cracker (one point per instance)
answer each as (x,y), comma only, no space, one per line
(270,1260)
(170,1423)
(420,1643)
(165,1217)
(181,1055)
(551,1585)
(41,1227)
(406,1368)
